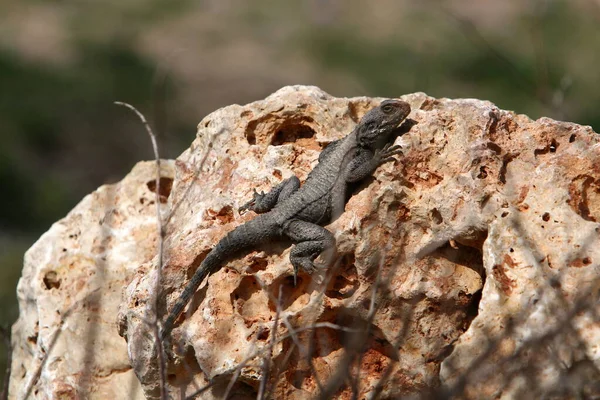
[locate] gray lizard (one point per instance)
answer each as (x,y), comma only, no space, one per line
(297,212)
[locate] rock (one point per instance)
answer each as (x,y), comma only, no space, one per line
(467,268)
(65,342)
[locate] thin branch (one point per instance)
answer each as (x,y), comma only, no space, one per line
(176,206)
(399,338)
(267,358)
(370,317)
(355,350)
(236,370)
(161,236)
(293,332)
(52,342)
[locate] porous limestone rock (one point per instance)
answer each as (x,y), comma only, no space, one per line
(482,199)
(66,343)
(469,267)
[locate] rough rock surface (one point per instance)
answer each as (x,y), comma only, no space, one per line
(65,342)
(483,238)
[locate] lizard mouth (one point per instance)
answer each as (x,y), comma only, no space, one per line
(400,123)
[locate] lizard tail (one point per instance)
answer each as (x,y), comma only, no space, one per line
(242,239)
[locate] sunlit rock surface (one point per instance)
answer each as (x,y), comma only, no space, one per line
(468,267)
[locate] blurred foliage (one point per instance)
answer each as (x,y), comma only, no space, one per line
(63,65)
(509,69)
(11,256)
(40,108)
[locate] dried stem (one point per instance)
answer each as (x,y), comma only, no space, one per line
(161,236)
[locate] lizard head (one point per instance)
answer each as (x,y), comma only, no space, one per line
(380,122)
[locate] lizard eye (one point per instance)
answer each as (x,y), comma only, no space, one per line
(387,108)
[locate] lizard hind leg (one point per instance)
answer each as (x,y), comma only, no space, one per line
(310,240)
(263,202)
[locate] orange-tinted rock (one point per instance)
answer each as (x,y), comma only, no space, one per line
(464,259)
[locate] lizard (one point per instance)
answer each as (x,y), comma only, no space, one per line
(298,211)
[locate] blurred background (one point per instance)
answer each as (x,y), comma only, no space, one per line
(64,63)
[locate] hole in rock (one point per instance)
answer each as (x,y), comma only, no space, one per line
(251,137)
(222,216)
(503,169)
(546,217)
(473,308)
(464,305)
(345,278)
(246,289)
(291,132)
(436,216)
(263,334)
(482,172)
(166,184)
(181,374)
(51,280)
(238,391)
(33,339)
(550,148)
(251,303)
(584,197)
(494,147)
(258,264)
(289,292)
(363,335)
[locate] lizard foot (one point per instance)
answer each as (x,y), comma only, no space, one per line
(256,198)
(387,153)
(312,268)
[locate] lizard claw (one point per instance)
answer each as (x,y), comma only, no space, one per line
(310,267)
(250,205)
(246,207)
(387,153)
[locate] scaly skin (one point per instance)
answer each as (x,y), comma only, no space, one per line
(297,212)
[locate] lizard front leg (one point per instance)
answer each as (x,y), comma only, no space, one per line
(310,241)
(366,162)
(263,202)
